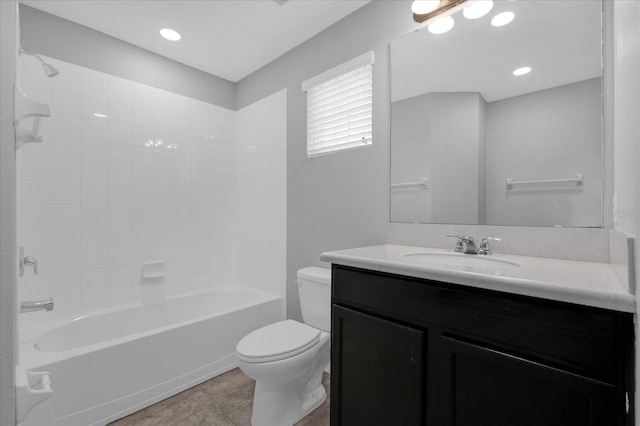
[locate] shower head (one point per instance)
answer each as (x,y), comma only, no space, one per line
(49,69)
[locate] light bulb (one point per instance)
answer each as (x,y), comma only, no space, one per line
(502,19)
(421,7)
(441,26)
(477,9)
(170,34)
(522,71)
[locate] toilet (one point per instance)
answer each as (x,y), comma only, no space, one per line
(287,358)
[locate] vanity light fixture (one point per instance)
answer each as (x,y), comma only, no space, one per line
(522,71)
(477,9)
(502,19)
(425,6)
(170,34)
(423,10)
(99,115)
(441,25)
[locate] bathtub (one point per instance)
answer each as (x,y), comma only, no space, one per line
(110,364)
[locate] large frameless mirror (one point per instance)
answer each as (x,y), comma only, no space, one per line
(498,120)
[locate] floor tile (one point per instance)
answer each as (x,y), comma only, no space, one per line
(238,405)
(210,416)
(168,411)
(318,417)
(224,384)
(226,400)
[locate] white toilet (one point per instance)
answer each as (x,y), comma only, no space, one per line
(286,359)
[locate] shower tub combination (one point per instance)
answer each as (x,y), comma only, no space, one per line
(110,364)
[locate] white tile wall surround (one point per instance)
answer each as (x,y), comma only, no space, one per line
(262,193)
(154,179)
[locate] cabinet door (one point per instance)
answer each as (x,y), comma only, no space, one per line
(482,386)
(377,375)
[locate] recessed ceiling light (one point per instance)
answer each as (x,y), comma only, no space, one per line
(477,9)
(502,19)
(99,115)
(170,34)
(522,71)
(421,7)
(441,26)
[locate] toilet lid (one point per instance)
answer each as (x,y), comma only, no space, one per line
(277,341)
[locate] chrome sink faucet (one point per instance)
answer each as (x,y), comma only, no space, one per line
(467,245)
(485,248)
(464,244)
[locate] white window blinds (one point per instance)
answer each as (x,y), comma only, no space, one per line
(339,107)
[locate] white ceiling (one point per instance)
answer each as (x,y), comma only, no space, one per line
(560,40)
(229,39)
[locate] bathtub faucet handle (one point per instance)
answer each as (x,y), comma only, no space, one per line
(27,261)
(33,262)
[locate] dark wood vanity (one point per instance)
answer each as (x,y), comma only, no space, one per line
(412,351)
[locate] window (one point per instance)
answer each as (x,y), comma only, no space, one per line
(339,107)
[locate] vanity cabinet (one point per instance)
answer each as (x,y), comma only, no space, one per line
(391,367)
(411,351)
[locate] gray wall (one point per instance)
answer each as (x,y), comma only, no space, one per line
(549,134)
(626,132)
(65,40)
(7,213)
(482,160)
(410,155)
(626,126)
(454,132)
(339,200)
(553,133)
(440,136)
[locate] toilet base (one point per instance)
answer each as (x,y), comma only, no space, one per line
(314,400)
(280,406)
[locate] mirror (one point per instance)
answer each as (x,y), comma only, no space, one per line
(472,143)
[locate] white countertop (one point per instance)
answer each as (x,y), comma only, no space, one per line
(584,283)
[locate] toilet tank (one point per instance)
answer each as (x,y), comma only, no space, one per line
(314,287)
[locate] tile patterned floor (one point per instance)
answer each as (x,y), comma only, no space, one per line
(225,400)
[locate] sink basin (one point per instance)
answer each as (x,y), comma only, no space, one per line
(460,260)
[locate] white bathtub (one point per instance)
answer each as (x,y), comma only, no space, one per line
(108,365)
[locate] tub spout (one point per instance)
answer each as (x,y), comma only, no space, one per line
(39,305)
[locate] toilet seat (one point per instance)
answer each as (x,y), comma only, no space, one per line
(277,341)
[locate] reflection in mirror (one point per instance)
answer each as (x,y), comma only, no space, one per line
(463,122)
